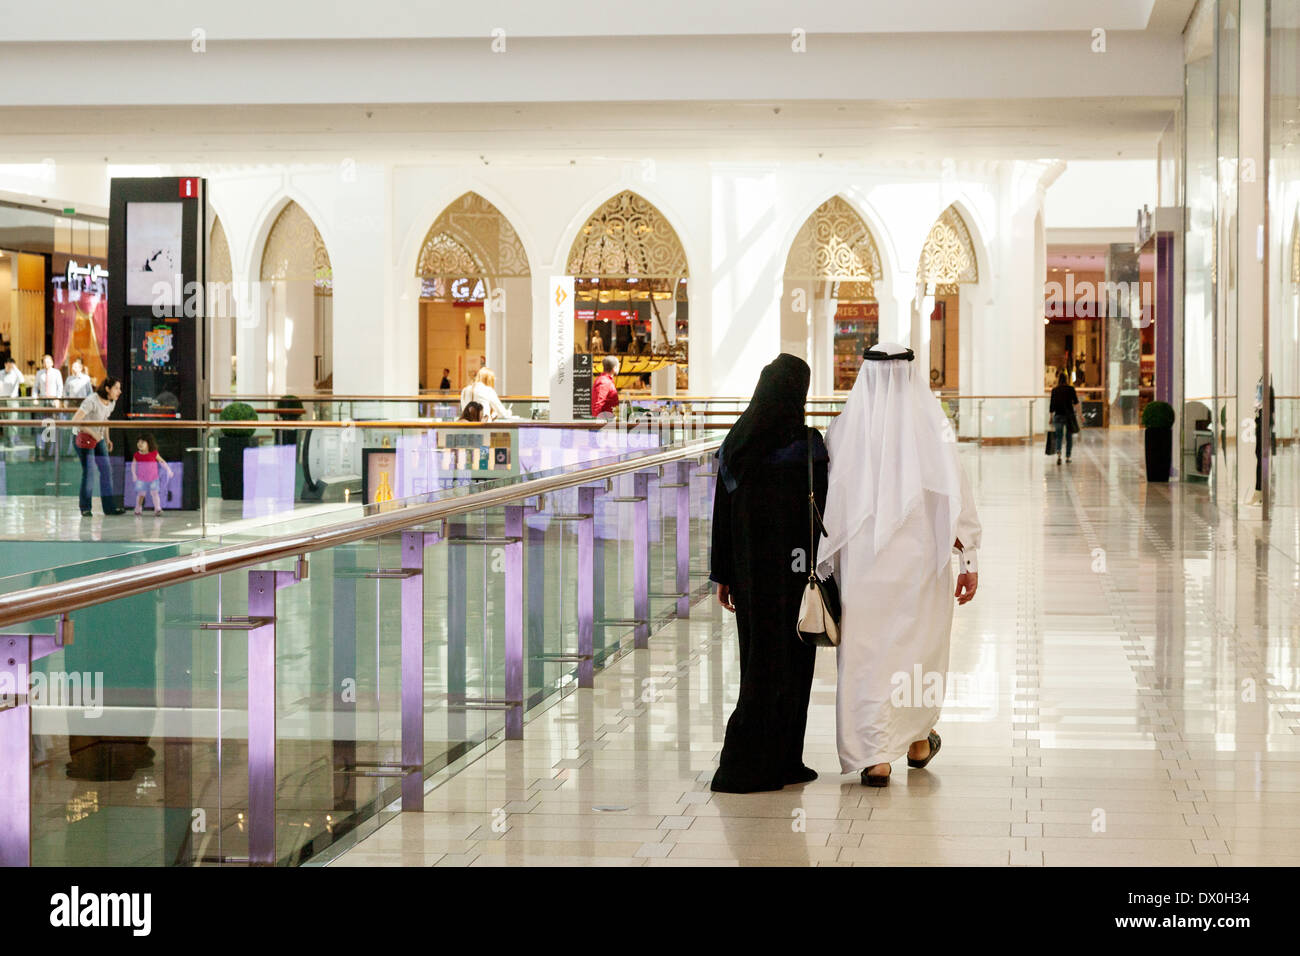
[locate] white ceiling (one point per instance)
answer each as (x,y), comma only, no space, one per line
(138,20)
(1102,128)
(586,81)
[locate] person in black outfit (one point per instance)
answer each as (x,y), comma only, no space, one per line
(760,565)
(445,384)
(1064,398)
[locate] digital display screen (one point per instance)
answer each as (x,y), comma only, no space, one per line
(155,373)
(153,254)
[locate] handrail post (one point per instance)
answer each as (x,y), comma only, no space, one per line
(641,558)
(514,621)
(17,654)
(535,627)
(16,754)
(457,628)
(683,521)
(413,670)
(586,585)
(262,586)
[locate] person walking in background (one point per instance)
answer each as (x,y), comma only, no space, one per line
(445,384)
(78,385)
(759,564)
(11,381)
(483,390)
(604,393)
(94,443)
(75,389)
(897,506)
(144,472)
(1064,413)
(49,390)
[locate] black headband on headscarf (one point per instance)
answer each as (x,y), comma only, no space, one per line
(774,418)
(874,355)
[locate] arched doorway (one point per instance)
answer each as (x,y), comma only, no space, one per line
(221,313)
(630,287)
(475,298)
(829,310)
(297,303)
(947,262)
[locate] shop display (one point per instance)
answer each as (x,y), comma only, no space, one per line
(856,330)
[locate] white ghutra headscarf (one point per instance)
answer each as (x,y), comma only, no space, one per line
(892,450)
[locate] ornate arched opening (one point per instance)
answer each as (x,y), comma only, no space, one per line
(298,289)
(630,292)
(475,298)
(829,310)
(948,261)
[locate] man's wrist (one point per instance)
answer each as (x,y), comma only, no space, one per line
(968,561)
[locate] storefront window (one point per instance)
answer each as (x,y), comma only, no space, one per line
(1284,251)
(1203,448)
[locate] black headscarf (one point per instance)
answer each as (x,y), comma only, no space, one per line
(774,418)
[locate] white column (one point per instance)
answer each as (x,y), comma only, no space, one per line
(517,344)
(372,356)
(1252,212)
(745,284)
(822,358)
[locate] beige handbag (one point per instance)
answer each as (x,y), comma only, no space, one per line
(819,610)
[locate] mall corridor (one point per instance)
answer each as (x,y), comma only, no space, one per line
(1117,695)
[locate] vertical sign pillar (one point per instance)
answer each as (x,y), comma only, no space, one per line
(559,347)
(157,315)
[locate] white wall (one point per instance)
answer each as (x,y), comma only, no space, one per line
(1096,194)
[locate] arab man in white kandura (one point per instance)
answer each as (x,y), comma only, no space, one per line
(897,506)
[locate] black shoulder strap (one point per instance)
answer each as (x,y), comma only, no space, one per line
(814,519)
(812,509)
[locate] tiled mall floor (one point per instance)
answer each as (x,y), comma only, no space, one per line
(1123,692)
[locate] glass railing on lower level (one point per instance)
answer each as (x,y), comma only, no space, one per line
(213,478)
(266,701)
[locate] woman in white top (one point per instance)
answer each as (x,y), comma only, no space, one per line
(78,385)
(96,408)
(75,388)
(483,390)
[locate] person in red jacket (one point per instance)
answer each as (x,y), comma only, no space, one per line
(604,395)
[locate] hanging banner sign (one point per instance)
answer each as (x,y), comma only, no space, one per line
(559,306)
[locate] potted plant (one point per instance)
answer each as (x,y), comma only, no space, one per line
(1158,420)
(294,406)
(231,443)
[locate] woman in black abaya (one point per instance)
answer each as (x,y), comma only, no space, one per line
(760,564)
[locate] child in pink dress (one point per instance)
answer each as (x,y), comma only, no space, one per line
(144,470)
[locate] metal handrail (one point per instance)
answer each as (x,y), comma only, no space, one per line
(33,604)
(151,424)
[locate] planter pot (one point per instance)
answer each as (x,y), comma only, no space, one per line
(230,465)
(1159,448)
